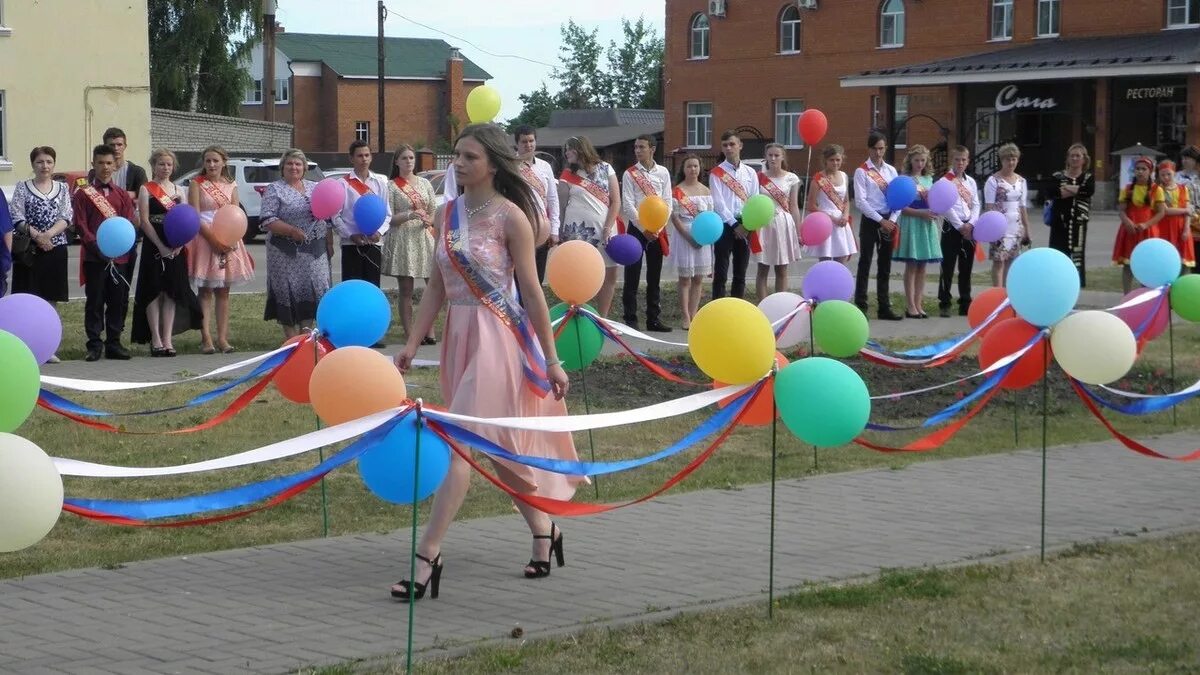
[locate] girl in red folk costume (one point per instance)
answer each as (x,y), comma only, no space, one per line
(829,195)
(492,351)
(213,266)
(1177,210)
(780,238)
(1140,207)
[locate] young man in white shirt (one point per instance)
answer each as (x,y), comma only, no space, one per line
(731,184)
(540,176)
(643,179)
(958,246)
(877,228)
(361,254)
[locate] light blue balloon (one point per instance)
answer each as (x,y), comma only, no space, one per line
(115,236)
(354,313)
(1155,262)
(1043,286)
(387,468)
(901,192)
(707,228)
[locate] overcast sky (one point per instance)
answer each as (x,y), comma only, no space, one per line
(526,28)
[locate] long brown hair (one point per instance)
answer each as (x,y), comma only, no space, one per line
(777,146)
(399,151)
(588,157)
(507,181)
(226,172)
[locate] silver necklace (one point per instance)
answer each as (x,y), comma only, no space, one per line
(471,212)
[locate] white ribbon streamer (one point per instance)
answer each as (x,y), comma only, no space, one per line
(1000,363)
(106,385)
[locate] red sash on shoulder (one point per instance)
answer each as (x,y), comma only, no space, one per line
(534,180)
(830,191)
(214,192)
(773,191)
(160,195)
(686,204)
(963,190)
(360,187)
(106,209)
(875,176)
(639,177)
(739,192)
(413,194)
(590,186)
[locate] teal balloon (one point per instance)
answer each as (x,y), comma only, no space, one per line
(580,341)
(354,313)
(1043,286)
(1185,297)
(822,401)
(389,467)
(707,228)
(20,383)
(1155,262)
(839,328)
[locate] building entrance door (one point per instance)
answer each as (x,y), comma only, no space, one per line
(987,128)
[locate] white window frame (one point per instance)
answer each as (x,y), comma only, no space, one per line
(693,125)
(1178,121)
(253,94)
(785,122)
(789,27)
(362,131)
(1191,13)
(699,35)
(1053,10)
(1005,9)
(5,29)
(876,123)
(897,129)
(893,18)
(285,86)
(283,92)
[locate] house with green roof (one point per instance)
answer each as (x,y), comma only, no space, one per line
(326,86)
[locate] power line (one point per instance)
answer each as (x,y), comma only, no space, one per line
(466,41)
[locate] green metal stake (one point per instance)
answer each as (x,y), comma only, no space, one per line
(412,558)
(1171,344)
(321,451)
(812,351)
(1016,439)
(1045,424)
(587,409)
(771,556)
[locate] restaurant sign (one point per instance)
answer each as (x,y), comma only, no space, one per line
(1154,93)
(1008,99)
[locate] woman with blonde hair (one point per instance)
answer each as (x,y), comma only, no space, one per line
(592,204)
(920,237)
(1006,191)
(1070,209)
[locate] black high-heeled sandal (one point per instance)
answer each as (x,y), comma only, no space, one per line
(417,590)
(536,569)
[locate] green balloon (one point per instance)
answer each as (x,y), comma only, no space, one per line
(20,383)
(1185,297)
(579,342)
(822,401)
(758,212)
(839,328)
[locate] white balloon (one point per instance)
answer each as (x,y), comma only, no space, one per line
(31,493)
(778,305)
(1094,347)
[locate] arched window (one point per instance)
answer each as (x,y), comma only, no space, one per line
(891,23)
(789,30)
(699,37)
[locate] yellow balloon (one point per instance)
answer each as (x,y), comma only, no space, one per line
(653,214)
(483,104)
(731,341)
(1094,347)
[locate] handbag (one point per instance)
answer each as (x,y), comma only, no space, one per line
(22,245)
(1048,212)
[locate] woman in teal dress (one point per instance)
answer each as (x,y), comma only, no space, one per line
(920,241)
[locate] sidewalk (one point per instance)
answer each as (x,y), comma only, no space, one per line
(273,609)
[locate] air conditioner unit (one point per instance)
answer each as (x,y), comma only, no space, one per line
(716,8)
(806,4)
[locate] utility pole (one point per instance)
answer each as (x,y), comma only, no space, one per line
(382,62)
(268,55)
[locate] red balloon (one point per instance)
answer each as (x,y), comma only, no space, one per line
(984,304)
(292,379)
(812,126)
(759,412)
(1008,337)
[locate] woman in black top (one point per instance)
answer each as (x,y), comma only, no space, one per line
(1071,208)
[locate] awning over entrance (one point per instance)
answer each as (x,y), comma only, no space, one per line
(1171,52)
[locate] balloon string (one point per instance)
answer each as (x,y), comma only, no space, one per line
(116,276)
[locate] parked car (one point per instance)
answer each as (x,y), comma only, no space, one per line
(437,178)
(252,175)
(339,172)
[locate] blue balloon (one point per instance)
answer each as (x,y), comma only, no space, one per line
(707,228)
(1155,262)
(1043,286)
(181,225)
(369,213)
(901,192)
(387,468)
(354,313)
(115,237)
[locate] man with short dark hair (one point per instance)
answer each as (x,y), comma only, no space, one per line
(877,228)
(361,254)
(107,292)
(540,176)
(731,184)
(645,179)
(129,176)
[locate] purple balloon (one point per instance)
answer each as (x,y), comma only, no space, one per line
(828,280)
(34,321)
(181,225)
(942,196)
(990,227)
(624,249)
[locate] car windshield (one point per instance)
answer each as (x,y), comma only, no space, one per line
(270,174)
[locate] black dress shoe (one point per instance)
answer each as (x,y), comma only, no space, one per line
(657,327)
(92,355)
(632,324)
(862,306)
(889,315)
(964,310)
(944,312)
(117,353)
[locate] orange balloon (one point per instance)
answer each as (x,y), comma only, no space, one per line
(653,214)
(575,271)
(229,224)
(353,382)
(292,379)
(984,304)
(759,412)
(1007,337)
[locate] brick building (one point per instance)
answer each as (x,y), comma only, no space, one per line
(327,88)
(1041,73)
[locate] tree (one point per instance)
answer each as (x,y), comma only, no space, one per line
(197,52)
(635,67)
(535,109)
(583,83)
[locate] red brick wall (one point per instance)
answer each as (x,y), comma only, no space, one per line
(306,106)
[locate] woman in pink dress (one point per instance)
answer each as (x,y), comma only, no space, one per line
(492,354)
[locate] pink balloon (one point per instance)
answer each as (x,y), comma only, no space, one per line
(815,228)
(942,196)
(990,227)
(328,198)
(1139,317)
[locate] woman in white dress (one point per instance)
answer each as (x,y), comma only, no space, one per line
(692,261)
(1006,192)
(828,194)
(780,239)
(592,204)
